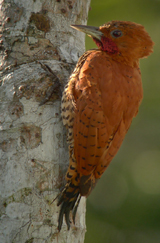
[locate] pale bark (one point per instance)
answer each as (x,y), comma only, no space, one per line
(33,149)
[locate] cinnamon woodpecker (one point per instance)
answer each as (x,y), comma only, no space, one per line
(101,98)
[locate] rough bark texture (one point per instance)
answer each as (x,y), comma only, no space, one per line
(33,150)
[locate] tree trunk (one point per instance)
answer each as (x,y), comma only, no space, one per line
(33,150)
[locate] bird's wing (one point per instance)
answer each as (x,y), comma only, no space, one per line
(90,125)
(90,135)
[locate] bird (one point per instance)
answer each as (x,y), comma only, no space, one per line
(102,96)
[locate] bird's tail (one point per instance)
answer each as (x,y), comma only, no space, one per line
(69,200)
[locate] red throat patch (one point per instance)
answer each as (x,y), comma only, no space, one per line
(106,44)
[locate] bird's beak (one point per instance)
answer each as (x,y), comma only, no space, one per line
(89,30)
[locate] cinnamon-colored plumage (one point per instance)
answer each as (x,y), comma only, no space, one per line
(101,98)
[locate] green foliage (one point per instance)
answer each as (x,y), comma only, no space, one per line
(125,205)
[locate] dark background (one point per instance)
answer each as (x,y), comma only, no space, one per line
(125,205)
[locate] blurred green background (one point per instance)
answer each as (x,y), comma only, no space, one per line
(125,205)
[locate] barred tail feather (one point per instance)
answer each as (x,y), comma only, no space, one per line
(69,201)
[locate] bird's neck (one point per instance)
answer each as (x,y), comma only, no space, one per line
(127,60)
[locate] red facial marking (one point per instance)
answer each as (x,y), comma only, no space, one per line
(106,44)
(98,43)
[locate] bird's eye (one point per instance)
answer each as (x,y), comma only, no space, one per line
(116,33)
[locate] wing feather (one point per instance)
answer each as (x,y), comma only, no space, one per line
(90,134)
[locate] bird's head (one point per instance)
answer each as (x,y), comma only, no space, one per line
(123,40)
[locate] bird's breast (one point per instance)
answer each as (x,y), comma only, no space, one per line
(122,93)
